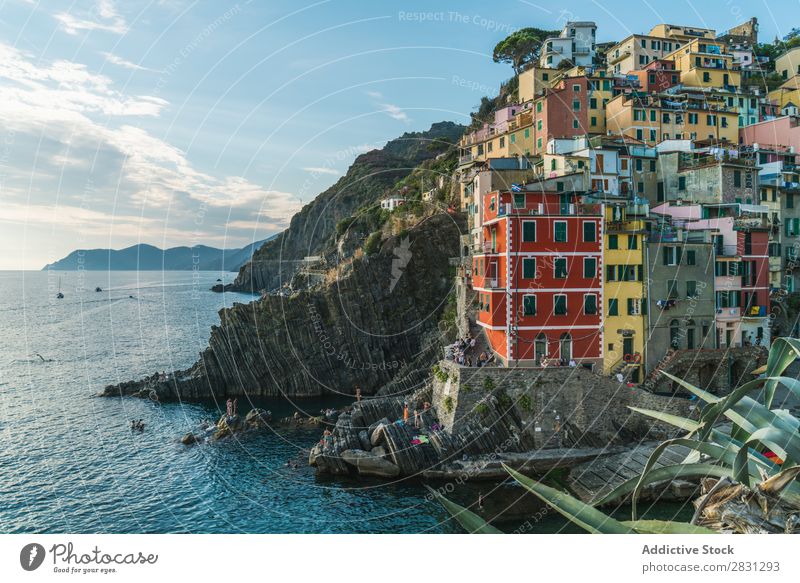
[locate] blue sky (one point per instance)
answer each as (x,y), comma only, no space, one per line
(177,122)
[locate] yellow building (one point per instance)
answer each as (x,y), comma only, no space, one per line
(651,118)
(787,93)
(705,63)
(533,82)
(637,51)
(682,33)
(624,290)
(788,64)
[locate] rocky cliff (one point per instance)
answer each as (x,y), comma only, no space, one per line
(374,323)
(312,230)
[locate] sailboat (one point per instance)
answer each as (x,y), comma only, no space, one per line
(59,295)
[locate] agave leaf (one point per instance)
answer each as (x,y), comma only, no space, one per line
(582,514)
(784,444)
(470,521)
(713,413)
(713,450)
(701,394)
(676,420)
(780,481)
(701,470)
(666,527)
(783,352)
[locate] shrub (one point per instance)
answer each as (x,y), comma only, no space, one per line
(448,404)
(525,403)
(373,244)
(488,384)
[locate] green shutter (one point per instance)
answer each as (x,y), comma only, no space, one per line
(630,306)
(529,305)
(529,231)
(611,273)
(529,268)
(613,308)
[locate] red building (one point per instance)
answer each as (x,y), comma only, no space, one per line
(659,75)
(538,279)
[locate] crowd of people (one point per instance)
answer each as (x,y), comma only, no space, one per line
(462,352)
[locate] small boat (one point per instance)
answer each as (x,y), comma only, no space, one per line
(59,295)
(98,289)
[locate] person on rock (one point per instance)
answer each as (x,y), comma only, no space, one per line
(229,408)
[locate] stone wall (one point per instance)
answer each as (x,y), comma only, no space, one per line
(557,406)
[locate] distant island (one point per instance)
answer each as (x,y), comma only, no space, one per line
(145,257)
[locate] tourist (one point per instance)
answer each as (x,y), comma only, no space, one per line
(358,394)
(417,419)
(469,361)
(229,408)
(472,343)
(572,363)
(405,413)
(620,378)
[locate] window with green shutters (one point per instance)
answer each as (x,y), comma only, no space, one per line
(691,258)
(613,242)
(613,307)
(528,231)
(559,305)
(691,288)
(529,268)
(590,304)
(519,200)
(589,231)
(632,242)
(589,267)
(560,232)
(560,267)
(529,305)
(611,273)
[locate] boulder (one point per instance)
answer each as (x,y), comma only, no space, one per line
(379,451)
(368,464)
(258,418)
(371,429)
(363,437)
(314,454)
(232,424)
(378,436)
(189,439)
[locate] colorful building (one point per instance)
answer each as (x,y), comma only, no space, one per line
(706,63)
(538,278)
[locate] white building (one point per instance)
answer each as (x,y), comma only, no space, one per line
(576,43)
(392,202)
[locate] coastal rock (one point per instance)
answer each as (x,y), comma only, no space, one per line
(313,342)
(368,464)
(379,451)
(258,419)
(189,439)
(378,435)
(364,439)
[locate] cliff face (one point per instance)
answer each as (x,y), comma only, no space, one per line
(374,325)
(312,230)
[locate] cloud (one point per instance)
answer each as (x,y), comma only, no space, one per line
(322,170)
(395,112)
(103,17)
(120,62)
(375,94)
(85,167)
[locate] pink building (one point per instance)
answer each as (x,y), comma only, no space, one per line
(783,131)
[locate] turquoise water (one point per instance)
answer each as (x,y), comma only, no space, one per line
(69,463)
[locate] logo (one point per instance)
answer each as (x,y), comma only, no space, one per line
(31,556)
(402,257)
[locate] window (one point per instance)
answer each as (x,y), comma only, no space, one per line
(632,242)
(691,257)
(560,232)
(512,139)
(502,141)
(589,231)
(652,115)
(529,305)
(594,121)
(638,164)
(559,305)
(681,183)
(652,165)
(613,242)
(672,289)
(576,88)
(529,268)
(691,289)
(519,203)
(789,200)
(528,231)
(590,304)
(575,124)
(613,307)
(545,76)
(560,267)
(639,135)
(539,106)
(737,178)
(589,267)
(593,103)
(665,118)
(576,105)
(653,135)
(672,255)
(693,118)
(611,273)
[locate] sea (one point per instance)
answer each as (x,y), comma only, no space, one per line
(69,462)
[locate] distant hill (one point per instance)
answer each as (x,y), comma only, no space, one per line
(149,258)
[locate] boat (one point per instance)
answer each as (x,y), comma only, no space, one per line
(98,289)
(59,295)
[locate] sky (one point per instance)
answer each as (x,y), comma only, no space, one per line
(176,122)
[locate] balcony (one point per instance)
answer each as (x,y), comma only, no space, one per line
(463,160)
(487,247)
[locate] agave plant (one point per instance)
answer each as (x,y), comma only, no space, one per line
(743,490)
